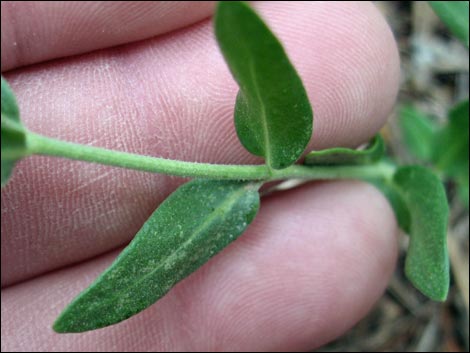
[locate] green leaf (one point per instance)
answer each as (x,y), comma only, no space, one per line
(455,15)
(196,222)
(427,261)
(400,208)
(13,134)
(273,116)
(451,154)
(419,132)
(347,156)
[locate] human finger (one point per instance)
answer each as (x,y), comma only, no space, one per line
(311,264)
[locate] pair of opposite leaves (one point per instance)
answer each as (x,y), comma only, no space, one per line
(273,119)
(203,216)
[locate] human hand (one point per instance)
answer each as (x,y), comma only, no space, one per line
(314,260)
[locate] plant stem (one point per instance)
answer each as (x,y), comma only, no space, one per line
(47,146)
(42,145)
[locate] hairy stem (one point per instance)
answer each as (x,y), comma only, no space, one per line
(43,145)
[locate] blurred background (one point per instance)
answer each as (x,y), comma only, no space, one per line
(430,127)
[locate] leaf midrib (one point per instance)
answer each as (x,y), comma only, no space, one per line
(264,124)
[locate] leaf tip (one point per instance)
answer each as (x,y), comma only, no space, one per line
(69,322)
(436,288)
(60,326)
(65,323)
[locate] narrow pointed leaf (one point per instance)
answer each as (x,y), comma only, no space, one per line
(348,156)
(273,116)
(13,138)
(455,15)
(197,221)
(427,262)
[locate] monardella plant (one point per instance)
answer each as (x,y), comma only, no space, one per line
(274,120)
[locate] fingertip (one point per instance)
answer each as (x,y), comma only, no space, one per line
(173,97)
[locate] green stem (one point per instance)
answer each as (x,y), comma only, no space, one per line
(43,145)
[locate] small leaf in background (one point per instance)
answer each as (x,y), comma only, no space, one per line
(451,153)
(193,224)
(273,116)
(347,156)
(13,138)
(455,15)
(418,131)
(427,261)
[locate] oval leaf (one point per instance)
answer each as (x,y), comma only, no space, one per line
(13,138)
(427,261)
(455,15)
(273,116)
(347,156)
(197,221)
